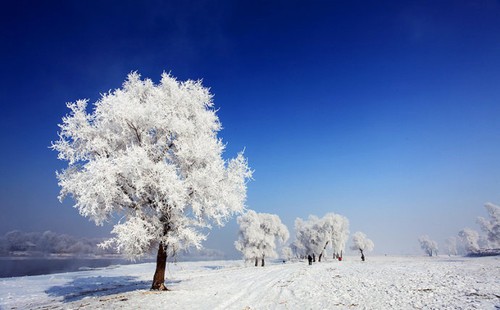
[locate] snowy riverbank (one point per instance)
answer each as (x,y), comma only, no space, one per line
(379,283)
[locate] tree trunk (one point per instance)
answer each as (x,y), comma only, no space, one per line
(262,261)
(321,254)
(362,256)
(256,262)
(161,263)
(314,257)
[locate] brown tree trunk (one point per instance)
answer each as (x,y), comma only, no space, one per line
(161,263)
(319,257)
(262,261)
(256,262)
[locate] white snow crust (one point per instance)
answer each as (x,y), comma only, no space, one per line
(379,283)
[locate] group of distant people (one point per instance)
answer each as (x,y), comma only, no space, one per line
(310,258)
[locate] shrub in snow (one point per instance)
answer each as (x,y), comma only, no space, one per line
(257,235)
(150,155)
(362,243)
(429,246)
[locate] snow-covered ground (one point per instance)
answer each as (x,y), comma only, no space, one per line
(378,283)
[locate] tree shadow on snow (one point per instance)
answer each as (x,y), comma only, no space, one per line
(96,286)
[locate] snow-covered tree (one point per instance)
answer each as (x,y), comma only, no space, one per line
(306,239)
(258,234)
(287,253)
(470,240)
(451,246)
(315,234)
(149,155)
(339,233)
(491,226)
(362,243)
(17,241)
(429,246)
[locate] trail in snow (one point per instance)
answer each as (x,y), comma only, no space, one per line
(379,283)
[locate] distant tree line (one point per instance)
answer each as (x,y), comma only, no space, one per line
(15,243)
(473,243)
(469,241)
(313,237)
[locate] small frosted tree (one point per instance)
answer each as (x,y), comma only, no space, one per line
(491,226)
(258,234)
(429,246)
(149,155)
(362,243)
(451,246)
(470,240)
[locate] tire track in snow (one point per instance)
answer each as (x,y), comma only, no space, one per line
(261,288)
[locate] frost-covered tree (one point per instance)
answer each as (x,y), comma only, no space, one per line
(470,240)
(451,246)
(429,246)
(258,234)
(148,154)
(17,241)
(311,237)
(297,249)
(362,243)
(491,226)
(305,237)
(287,253)
(315,234)
(339,233)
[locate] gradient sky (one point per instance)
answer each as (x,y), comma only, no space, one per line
(387,112)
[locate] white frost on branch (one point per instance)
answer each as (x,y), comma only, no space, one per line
(451,246)
(470,240)
(429,246)
(258,234)
(361,243)
(150,155)
(491,226)
(287,253)
(337,227)
(315,234)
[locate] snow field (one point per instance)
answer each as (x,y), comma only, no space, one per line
(378,283)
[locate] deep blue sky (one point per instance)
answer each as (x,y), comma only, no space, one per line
(387,112)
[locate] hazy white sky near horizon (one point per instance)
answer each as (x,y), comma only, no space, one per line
(386,112)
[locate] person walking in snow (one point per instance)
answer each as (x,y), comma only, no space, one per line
(310,259)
